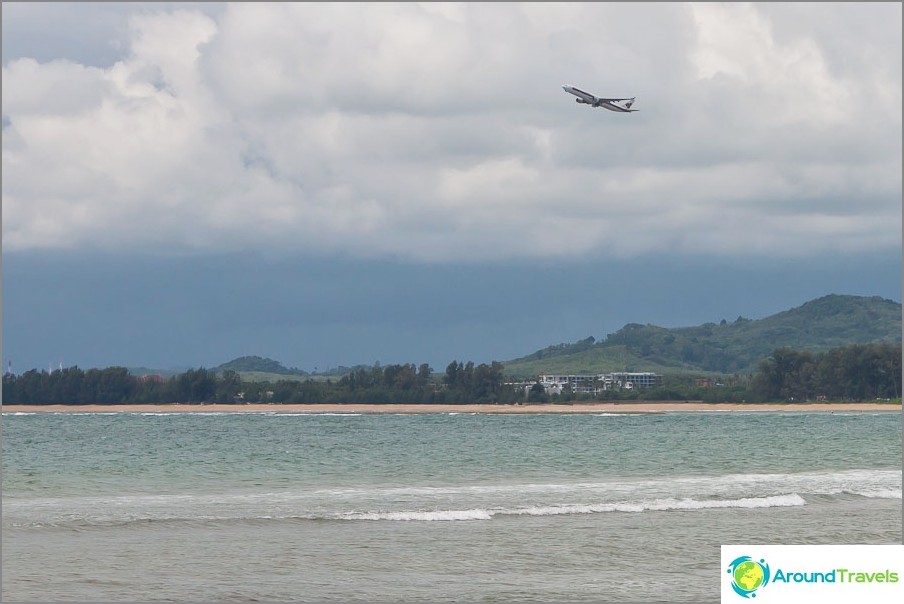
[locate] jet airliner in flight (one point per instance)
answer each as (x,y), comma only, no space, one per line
(620,105)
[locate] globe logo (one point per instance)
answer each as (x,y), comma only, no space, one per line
(748,575)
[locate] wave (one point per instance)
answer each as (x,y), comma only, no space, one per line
(619,414)
(194,413)
(421,515)
(878,493)
(728,486)
(460,502)
(424,516)
(237,413)
(307,414)
(662,505)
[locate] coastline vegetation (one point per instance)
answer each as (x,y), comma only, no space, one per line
(858,372)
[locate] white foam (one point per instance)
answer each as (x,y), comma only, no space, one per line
(234,413)
(663,505)
(618,414)
(660,505)
(879,493)
(161,414)
(194,413)
(726,487)
(424,516)
(304,413)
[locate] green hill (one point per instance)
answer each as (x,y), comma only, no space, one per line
(166,373)
(252,364)
(727,347)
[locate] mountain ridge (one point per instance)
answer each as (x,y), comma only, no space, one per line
(738,346)
(820,324)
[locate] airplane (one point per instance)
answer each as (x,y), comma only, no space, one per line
(610,104)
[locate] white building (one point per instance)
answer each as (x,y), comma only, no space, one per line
(594,384)
(629,380)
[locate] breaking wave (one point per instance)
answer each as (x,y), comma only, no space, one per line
(661,505)
(462,502)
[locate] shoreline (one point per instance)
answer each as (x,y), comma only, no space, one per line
(621,407)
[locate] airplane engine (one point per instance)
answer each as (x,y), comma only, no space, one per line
(579,100)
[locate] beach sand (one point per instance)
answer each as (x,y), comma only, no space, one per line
(610,407)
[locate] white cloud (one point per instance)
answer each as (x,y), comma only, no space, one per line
(438,132)
(788,81)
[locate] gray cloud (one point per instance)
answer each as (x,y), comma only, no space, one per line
(439,132)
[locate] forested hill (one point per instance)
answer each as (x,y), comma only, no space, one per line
(257,364)
(725,347)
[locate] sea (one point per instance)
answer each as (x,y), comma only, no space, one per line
(458,507)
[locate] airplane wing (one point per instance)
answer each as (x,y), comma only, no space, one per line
(628,102)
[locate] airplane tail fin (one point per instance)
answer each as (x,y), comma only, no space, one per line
(629,103)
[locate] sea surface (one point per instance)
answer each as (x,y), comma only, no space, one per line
(439,507)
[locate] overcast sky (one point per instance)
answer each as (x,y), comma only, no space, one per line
(329,184)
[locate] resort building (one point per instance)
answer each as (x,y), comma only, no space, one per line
(635,380)
(594,384)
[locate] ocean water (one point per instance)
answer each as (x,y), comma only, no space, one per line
(439,507)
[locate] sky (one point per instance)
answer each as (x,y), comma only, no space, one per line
(332,184)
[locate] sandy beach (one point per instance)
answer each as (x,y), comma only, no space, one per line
(612,407)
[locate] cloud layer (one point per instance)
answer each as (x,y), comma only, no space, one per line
(438,132)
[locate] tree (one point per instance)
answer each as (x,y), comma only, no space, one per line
(423,374)
(116,386)
(228,387)
(537,394)
(853,372)
(453,370)
(195,386)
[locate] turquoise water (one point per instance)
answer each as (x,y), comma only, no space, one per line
(466,507)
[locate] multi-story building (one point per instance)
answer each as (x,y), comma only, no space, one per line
(629,380)
(594,384)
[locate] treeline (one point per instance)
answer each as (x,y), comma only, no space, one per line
(407,383)
(857,372)
(115,386)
